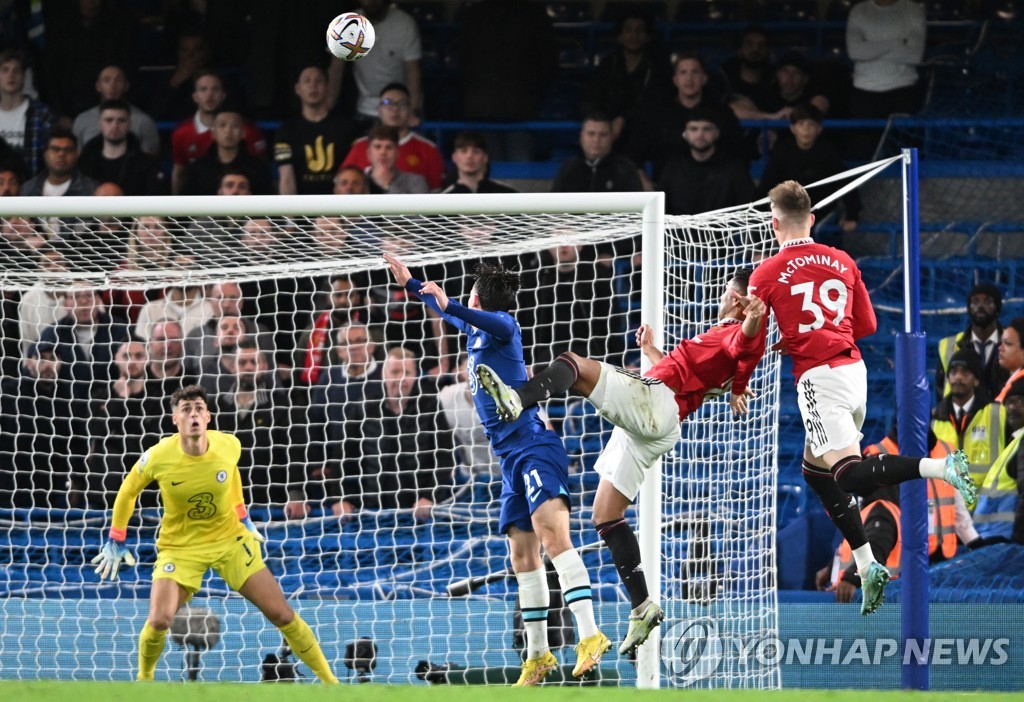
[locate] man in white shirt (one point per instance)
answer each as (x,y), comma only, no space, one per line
(112,84)
(395,59)
(885,39)
(183,304)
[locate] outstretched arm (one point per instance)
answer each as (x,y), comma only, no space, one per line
(108,561)
(435,298)
(645,340)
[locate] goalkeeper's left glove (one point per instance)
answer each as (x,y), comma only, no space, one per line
(247,522)
(110,557)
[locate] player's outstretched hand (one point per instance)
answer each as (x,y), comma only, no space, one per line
(781,347)
(739,402)
(645,337)
(110,557)
(398,269)
(754,305)
(434,289)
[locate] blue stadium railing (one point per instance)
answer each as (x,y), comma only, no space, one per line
(563,138)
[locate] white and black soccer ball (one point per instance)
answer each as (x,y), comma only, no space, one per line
(350,36)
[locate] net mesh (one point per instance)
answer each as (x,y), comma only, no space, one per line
(371,511)
(719,485)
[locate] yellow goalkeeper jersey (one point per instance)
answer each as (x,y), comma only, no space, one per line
(201,495)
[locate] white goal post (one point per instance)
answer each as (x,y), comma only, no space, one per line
(684,264)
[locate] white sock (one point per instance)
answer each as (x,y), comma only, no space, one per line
(932,468)
(864,559)
(534,599)
(575,582)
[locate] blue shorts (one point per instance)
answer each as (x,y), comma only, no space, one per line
(530,476)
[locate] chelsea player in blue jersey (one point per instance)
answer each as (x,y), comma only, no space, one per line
(534,468)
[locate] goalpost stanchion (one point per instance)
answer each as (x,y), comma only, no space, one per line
(652,307)
(913,402)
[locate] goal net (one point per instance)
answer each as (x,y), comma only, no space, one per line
(363,461)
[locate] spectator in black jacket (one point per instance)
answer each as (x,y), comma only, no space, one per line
(807,158)
(655,134)
(704,178)
(634,70)
(85,339)
(471,166)
(398,449)
(597,169)
(61,175)
(228,150)
(251,406)
(43,444)
(115,156)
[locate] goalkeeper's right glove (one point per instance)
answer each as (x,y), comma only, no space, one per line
(110,557)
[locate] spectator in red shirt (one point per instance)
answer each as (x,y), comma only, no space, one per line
(646,411)
(192,138)
(416,154)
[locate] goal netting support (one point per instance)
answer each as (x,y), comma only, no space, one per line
(363,463)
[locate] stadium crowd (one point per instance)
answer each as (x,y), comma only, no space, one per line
(346,394)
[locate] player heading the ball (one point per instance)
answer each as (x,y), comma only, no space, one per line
(205,525)
(822,307)
(534,469)
(646,411)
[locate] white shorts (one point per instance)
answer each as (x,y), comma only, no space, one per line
(646,420)
(832,403)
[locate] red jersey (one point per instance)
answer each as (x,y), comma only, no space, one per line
(708,361)
(415,155)
(820,303)
(188,143)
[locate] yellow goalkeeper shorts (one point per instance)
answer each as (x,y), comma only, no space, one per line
(234,559)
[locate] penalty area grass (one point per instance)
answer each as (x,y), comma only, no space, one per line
(56,691)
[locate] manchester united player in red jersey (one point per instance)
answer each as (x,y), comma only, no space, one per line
(822,308)
(723,357)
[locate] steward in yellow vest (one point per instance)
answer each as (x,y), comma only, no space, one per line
(966,418)
(999,515)
(984,303)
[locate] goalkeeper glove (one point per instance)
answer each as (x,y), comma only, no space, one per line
(110,557)
(247,522)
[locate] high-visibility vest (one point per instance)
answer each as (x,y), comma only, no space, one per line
(983,439)
(947,347)
(941,518)
(997,501)
(941,499)
(845,554)
(885,446)
(1015,376)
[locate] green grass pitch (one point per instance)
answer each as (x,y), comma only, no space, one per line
(220,692)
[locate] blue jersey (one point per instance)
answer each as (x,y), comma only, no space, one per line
(496,340)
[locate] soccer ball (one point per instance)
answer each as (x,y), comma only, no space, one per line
(350,36)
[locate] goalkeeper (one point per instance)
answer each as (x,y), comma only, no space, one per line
(205,525)
(534,470)
(646,412)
